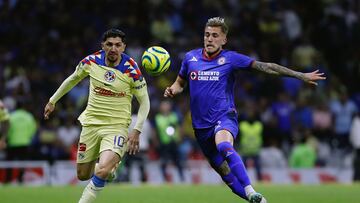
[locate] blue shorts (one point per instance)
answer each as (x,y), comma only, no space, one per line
(206,138)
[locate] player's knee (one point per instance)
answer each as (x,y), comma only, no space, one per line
(225,148)
(103,171)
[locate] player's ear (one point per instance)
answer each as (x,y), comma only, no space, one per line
(224,41)
(102,45)
(123,47)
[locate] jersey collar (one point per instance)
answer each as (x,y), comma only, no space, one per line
(210,58)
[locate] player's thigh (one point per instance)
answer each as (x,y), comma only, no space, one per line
(206,141)
(113,140)
(226,130)
(89,144)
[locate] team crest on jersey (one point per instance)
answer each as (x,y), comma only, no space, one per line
(221,60)
(110,76)
(193,75)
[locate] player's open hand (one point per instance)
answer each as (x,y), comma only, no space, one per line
(133,142)
(313,77)
(49,108)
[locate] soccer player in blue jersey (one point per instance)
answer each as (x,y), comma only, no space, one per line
(209,71)
(114,79)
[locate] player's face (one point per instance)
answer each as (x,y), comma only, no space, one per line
(113,47)
(214,39)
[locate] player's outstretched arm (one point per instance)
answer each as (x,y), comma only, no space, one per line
(176,88)
(64,88)
(273,68)
(144,108)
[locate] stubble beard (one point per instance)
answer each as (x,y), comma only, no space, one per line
(212,53)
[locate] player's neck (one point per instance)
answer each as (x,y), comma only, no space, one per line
(112,64)
(211,55)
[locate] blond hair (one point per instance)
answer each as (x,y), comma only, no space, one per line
(218,22)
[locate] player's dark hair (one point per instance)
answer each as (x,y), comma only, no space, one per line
(113,32)
(218,22)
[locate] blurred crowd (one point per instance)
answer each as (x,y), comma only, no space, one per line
(283,122)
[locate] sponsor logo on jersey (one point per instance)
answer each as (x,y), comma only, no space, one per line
(82,147)
(108,93)
(110,76)
(221,60)
(205,75)
(140,86)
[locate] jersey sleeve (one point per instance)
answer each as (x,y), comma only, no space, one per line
(241,61)
(184,68)
(138,83)
(82,70)
(139,90)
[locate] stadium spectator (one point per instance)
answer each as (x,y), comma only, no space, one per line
(302,114)
(67,135)
(251,140)
(304,55)
(355,142)
(168,128)
(47,141)
(322,118)
(343,110)
(21,132)
(141,158)
(272,157)
(282,110)
(303,155)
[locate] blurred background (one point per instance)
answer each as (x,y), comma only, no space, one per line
(301,127)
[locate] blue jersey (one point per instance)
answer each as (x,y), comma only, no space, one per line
(211,84)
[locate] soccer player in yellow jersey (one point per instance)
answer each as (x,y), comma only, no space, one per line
(114,79)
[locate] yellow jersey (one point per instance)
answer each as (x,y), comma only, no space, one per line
(110,92)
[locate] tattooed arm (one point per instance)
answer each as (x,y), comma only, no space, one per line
(275,69)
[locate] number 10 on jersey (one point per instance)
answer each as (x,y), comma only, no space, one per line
(119,141)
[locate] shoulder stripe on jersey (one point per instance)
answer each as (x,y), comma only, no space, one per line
(93,58)
(132,70)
